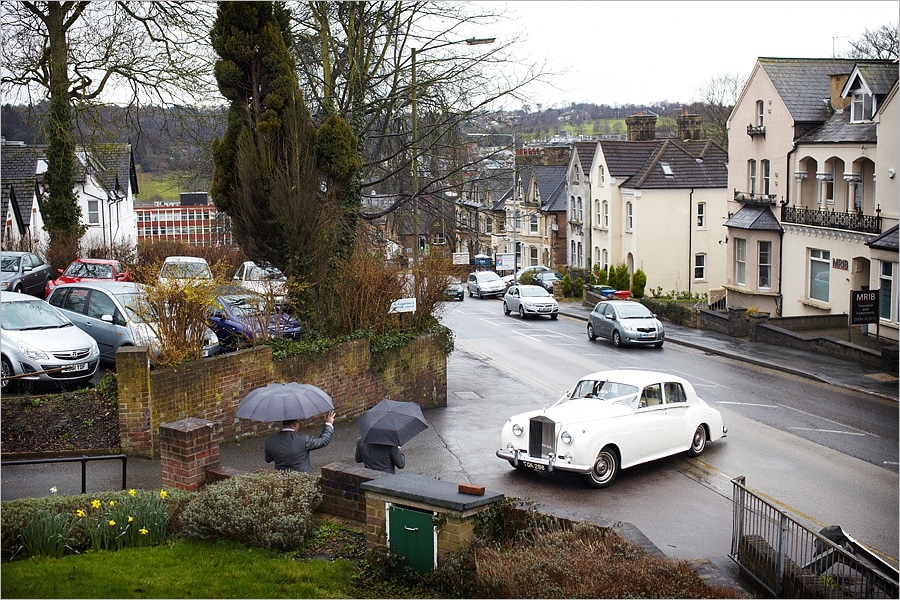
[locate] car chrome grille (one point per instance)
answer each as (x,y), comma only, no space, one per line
(72,354)
(542,437)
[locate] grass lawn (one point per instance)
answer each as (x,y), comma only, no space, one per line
(152,185)
(180,569)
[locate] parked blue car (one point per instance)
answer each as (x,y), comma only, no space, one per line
(241,318)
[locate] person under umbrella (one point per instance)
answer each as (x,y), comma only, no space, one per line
(383,429)
(380,457)
(290,450)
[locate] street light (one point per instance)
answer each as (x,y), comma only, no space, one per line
(415,133)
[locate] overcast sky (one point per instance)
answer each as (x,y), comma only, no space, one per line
(640,52)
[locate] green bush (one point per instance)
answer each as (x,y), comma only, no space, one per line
(578,288)
(269,509)
(567,285)
(638,283)
(17,514)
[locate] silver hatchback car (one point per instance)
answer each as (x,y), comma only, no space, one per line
(625,322)
(485,283)
(40,343)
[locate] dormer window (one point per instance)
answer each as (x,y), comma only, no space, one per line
(863,107)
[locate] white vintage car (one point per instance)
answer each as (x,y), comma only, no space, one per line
(612,420)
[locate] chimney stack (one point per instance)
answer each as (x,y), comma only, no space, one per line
(689,126)
(641,128)
(836,85)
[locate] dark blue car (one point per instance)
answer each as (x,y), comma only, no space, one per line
(241,318)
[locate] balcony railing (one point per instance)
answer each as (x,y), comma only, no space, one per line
(849,221)
(754,198)
(756,130)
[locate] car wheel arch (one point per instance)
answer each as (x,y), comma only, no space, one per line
(613,457)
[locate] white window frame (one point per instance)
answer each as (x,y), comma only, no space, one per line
(629,216)
(533,256)
(93,212)
(740,261)
(826,188)
(604,262)
(764,253)
(700,266)
(602,178)
(760,113)
(765,172)
(701,215)
(751,175)
(862,107)
(819,262)
(606,214)
(533,224)
(598,215)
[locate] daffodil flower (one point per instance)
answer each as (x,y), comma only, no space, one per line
(53,490)
(163,493)
(132,492)
(130,519)
(112,502)
(95,503)
(143,531)
(79,513)
(112,523)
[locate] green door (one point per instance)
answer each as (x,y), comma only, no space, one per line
(411,536)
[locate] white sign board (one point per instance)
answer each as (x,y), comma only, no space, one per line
(460,258)
(505,262)
(403,305)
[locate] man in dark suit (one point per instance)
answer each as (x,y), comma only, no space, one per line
(380,457)
(290,450)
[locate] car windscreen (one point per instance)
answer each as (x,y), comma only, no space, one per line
(243,305)
(89,270)
(606,391)
(533,292)
(26,316)
(487,276)
(632,310)
(262,273)
(137,307)
(10,264)
(191,270)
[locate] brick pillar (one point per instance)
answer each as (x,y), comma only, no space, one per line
(187,448)
(133,387)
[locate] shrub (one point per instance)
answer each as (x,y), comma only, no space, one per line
(268,509)
(567,285)
(599,276)
(638,283)
(578,288)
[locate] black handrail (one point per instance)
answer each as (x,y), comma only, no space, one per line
(82,459)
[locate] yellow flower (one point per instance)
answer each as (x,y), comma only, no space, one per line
(131,492)
(163,493)
(143,531)
(79,513)
(112,502)
(130,519)
(95,503)
(112,523)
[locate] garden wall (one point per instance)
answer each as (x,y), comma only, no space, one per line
(212,389)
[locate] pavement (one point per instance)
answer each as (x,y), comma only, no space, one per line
(439,450)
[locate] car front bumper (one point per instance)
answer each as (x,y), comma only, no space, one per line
(535,310)
(636,338)
(519,457)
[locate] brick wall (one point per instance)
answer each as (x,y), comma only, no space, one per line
(212,389)
(341,494)
(187,448)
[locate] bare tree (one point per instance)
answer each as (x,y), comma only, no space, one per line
(82,54)
(881,43)
(719,95)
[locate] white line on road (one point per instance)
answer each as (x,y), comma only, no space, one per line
(827,431)
(748,404)
(864,432)
(491,322)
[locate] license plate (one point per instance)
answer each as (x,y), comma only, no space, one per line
(534,466)
(543,309)
(76,368)
(647,335)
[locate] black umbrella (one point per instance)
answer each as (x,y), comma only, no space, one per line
(284,402)
(391,423)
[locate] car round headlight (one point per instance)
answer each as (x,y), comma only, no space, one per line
(517,429)
(566,437)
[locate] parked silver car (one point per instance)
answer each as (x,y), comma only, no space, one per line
(530,300)
(262,278)
(24,272)
(485,283)
(625,322)
(39,343)
(111,313)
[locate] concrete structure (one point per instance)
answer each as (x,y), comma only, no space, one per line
(106,183)
(194,221)
(807,222)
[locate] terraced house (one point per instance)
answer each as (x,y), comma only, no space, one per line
(813,146)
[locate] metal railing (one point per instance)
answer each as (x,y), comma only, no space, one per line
(850,221)
(82,459)
(790,561)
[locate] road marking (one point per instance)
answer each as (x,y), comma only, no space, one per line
(748,404)
(830,421)
(827,431)
(491,322)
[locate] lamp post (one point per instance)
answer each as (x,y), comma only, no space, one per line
(415,133)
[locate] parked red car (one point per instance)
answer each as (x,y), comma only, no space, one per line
(90,269)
